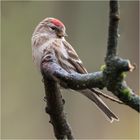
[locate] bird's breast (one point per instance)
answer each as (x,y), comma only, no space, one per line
(53,47)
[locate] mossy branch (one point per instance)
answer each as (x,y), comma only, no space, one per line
(111,77)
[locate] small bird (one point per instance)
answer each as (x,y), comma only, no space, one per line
(49,39)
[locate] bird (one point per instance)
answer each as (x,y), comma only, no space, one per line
(48,38)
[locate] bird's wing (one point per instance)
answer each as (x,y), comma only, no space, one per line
(90,93)
(78,65)
(74,59)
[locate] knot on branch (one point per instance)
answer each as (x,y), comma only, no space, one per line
(114,71)
(115,17)
(119,65)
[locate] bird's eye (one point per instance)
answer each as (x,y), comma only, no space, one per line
(53,28)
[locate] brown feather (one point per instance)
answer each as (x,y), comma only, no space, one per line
(74,59)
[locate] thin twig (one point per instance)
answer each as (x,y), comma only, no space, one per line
(113,29)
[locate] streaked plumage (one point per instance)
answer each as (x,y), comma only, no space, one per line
(48,39)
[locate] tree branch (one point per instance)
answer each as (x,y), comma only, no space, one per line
(111,76)
(113,29)
(54,108)
(116,66)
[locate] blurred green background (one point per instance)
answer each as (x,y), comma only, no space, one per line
(23,114)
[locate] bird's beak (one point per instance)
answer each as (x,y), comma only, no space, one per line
(65,35)
(62,34)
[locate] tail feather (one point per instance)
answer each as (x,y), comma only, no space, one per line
(100,104)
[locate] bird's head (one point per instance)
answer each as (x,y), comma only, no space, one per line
(53,27)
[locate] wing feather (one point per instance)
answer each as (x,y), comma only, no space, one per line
(74,59)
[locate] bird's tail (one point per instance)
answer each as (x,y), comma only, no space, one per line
(100,104)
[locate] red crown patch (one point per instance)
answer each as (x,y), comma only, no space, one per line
(57,22)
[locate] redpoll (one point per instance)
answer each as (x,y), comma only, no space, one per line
(48,38)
